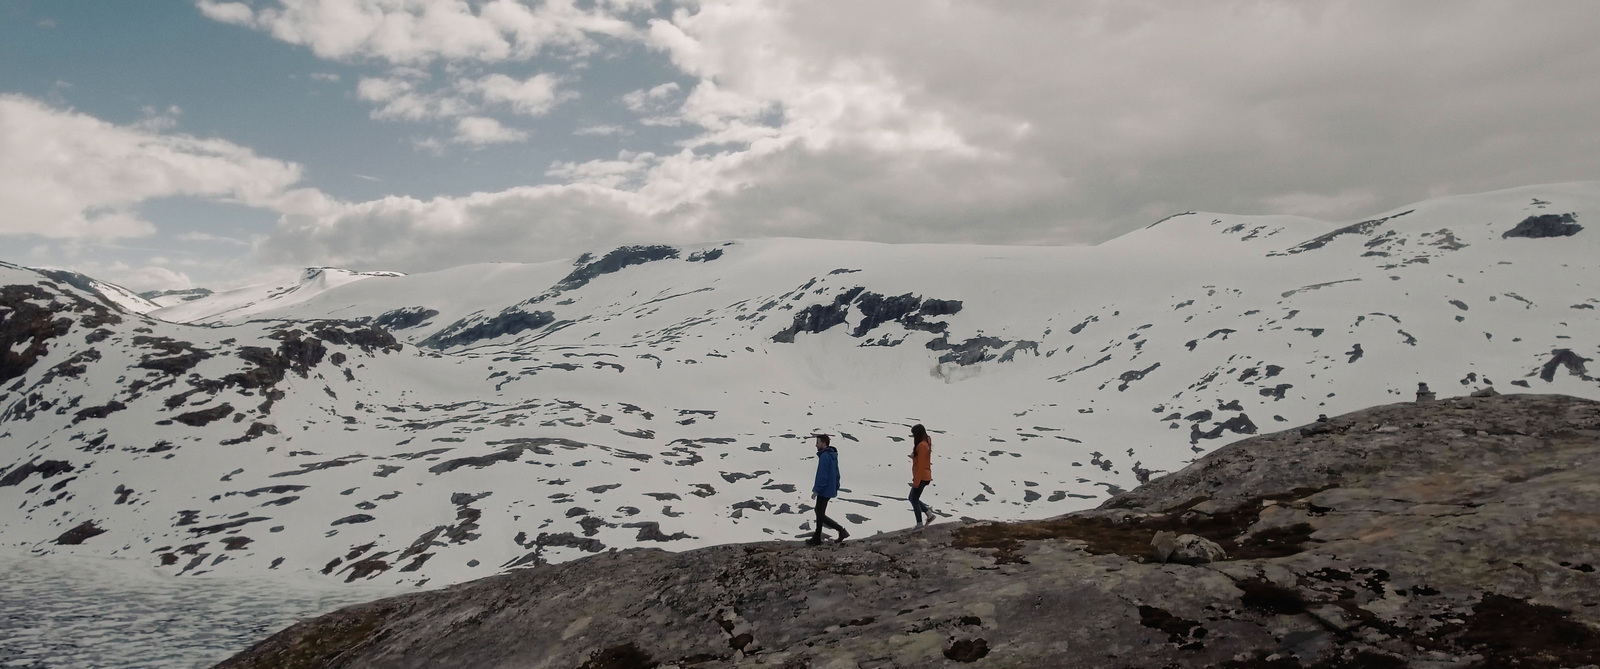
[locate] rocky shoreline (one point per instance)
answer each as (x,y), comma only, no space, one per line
(1459,533)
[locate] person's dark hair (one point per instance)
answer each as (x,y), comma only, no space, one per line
(826,440)
(919,433)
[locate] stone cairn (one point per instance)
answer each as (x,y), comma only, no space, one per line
(1424,395)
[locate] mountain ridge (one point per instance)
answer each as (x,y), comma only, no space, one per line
(659,403)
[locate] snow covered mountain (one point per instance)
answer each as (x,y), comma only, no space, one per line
(167,298)
(438,427)
(244,303)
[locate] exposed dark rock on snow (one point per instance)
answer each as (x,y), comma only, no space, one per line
(511,451)
(204,416)
(908,310)
(980,349)
(615,261)
(1545,225)
(79,534)
(79,281)
(1362,228)
(44,468)
(98,412)
(1240,424)
(1316,286)
(512,320)
(1564,357)
(27,327)
(400,319)
(345,333)
(300,348)
(255,431)
(1276,392)
(170,356)
(818,317)
(1134,375)
(1454,534)
(188,294)
(876,310)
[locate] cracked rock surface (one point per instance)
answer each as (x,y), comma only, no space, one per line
(1460,533)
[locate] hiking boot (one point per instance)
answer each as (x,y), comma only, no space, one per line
(842,536)
(814,541)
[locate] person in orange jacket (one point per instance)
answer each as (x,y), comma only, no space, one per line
(921,470)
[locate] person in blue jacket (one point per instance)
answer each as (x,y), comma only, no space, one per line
(826,488)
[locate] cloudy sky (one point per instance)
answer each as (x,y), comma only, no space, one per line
(169,143)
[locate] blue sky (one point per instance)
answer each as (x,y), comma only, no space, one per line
(172,143)
(120,60)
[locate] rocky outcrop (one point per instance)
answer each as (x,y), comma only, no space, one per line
(618,259)
(1460,533)
(1545,225)
(512,320)
(32,315)
(910,311)
(400,319)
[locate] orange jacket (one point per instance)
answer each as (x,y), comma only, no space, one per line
(922,462)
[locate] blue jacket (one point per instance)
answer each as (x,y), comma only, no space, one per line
(827,484)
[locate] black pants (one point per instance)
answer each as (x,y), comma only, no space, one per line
(917,507)
(823,520)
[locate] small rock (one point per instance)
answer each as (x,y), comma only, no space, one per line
(1163,545)
(1316,429)
(1486,392)
(1192,549)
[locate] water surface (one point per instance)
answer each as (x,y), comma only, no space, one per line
(74,611)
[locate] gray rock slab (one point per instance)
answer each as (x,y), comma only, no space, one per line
(1468,537)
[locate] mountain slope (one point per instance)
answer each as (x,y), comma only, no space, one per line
(245,302)
(657,396)
(1453,534)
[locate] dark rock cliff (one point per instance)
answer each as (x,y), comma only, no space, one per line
(1462,533)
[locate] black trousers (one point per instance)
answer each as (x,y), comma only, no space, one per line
(822,517)
(917,507)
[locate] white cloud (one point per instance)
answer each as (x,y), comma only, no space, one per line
(421,31)
(64,174)
(150,277)
(515,225)
(1322,205)
(533,96)
(602,130)
(207,237)
(618,173)
(159,120)
(429,144)
(1029,122)
(399,98)
(227,12)
(329,77)
(153,273)
(482,130)
(651,100)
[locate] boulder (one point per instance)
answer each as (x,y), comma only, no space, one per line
(1192,549)
(1163,545)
